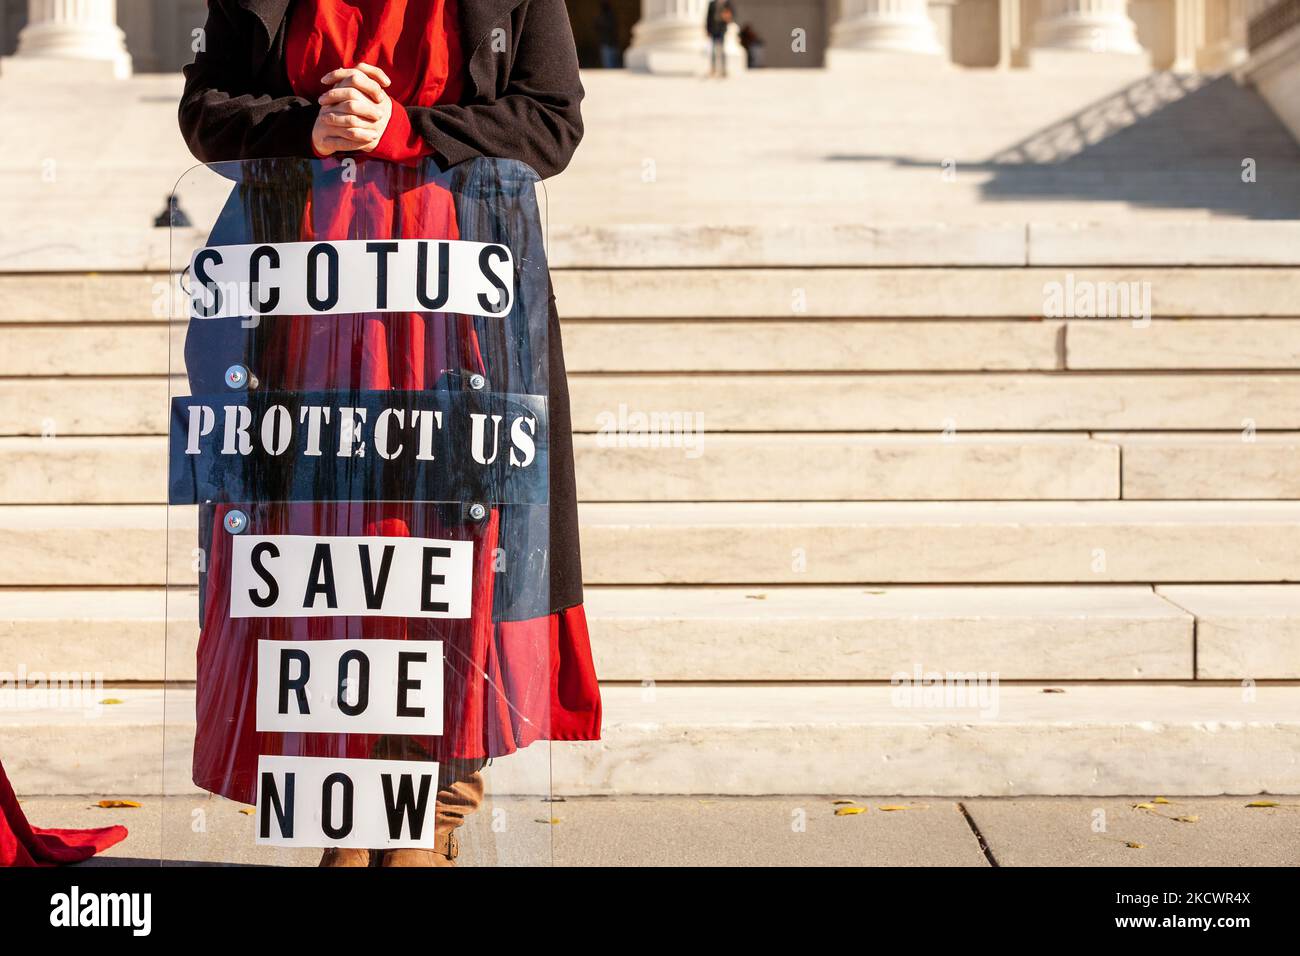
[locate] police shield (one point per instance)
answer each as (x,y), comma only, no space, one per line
(359,582)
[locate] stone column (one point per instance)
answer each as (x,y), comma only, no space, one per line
(889,33)
(670,38)
(941,15)
(70,39)
(1224,38)
(1086,33)
(1009,39)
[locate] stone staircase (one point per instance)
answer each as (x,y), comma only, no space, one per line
(889,463)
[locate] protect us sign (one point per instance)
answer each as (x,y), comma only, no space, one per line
(342,802)
(350,687)
(288,575)
(352,275)
(436,445)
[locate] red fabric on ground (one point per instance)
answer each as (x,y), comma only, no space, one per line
(22,844)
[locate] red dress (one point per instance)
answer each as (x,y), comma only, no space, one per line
(507,684)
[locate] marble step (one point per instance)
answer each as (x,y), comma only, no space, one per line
(786,293)
(832,466)
(762,345)
(91,349)
(1113,632)
(954,403)
(1187,344)
(84,297)
(766,402)
(852,633)
(776,292)
(1088,542)
(940,542)
(121,469)
(925,244)
(845,467)
(1191,465)
(87,349)
(132,469)
(995,740)
(711,633)
(1242,632)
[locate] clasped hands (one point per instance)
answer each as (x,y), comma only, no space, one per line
(355,110)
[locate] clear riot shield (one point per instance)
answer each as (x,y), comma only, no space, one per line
(358,639)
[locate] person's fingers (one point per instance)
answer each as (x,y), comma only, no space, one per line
(346,120)
(370,79)
(375,73)
(365,83)
(343,94)
(340,94)
(347,100)
(351,139)
(334,116)
(334,76)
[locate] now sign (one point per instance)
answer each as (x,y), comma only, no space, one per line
(329,802)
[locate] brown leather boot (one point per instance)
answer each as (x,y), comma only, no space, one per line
(346,856)
(460,793)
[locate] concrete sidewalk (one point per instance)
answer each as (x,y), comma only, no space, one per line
(763,831)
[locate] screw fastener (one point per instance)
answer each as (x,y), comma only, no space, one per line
(237,376)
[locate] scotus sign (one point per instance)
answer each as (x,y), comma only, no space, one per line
(352,275)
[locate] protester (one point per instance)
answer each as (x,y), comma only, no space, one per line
(402,82)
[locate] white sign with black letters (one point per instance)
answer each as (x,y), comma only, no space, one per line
(349,576)
(350,687)
(352,275)
(342,802)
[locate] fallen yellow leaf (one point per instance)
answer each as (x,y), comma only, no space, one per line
(894,806)
(843,801)
(1263,803)
(248,811)
(1144,806)
(1188,819)
(112,700)
(849,811)
(1133,846)
(552,821)
(111,804)
(1159,800)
